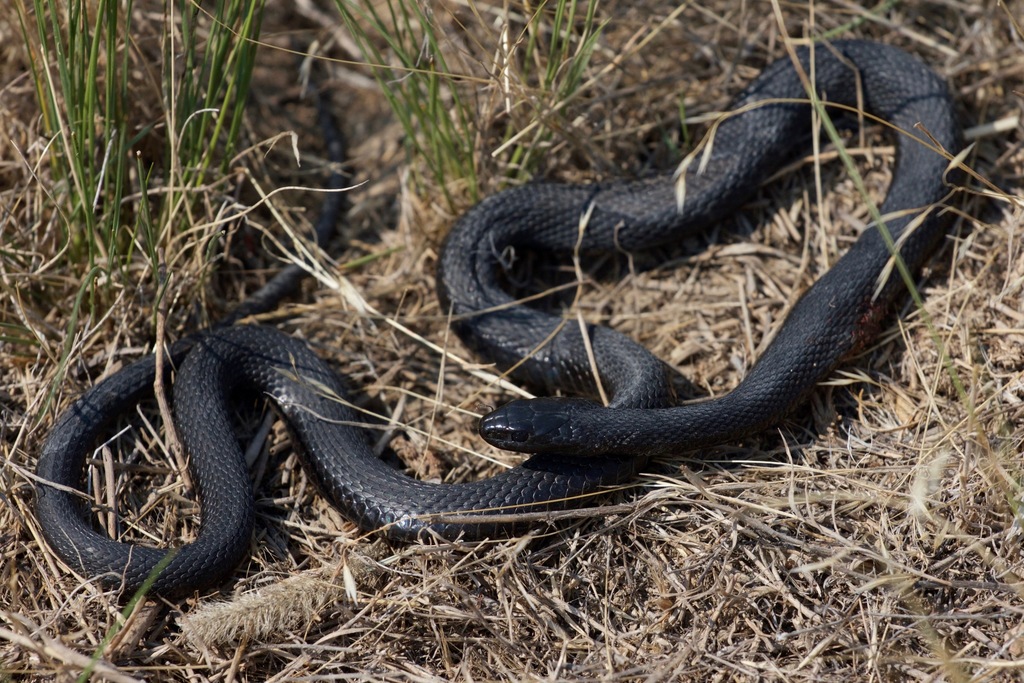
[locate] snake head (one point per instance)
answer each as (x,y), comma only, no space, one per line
(536,425)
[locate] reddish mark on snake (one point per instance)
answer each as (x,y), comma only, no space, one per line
(868,326)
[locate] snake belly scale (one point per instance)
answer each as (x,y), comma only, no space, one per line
(579,448)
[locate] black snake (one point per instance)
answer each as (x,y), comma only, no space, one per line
(580,447)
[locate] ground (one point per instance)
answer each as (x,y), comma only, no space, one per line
(875,535)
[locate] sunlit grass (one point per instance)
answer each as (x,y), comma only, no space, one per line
(541,62)
(97,93)
(81,60)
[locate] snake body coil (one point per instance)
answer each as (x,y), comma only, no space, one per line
(581,447)
(839,313)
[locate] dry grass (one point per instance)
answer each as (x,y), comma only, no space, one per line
(874,536)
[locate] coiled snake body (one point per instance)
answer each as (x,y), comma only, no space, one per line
(580,447)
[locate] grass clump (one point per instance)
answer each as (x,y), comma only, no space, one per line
(98,119)
(142,119)
(403,47)
(446,99)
